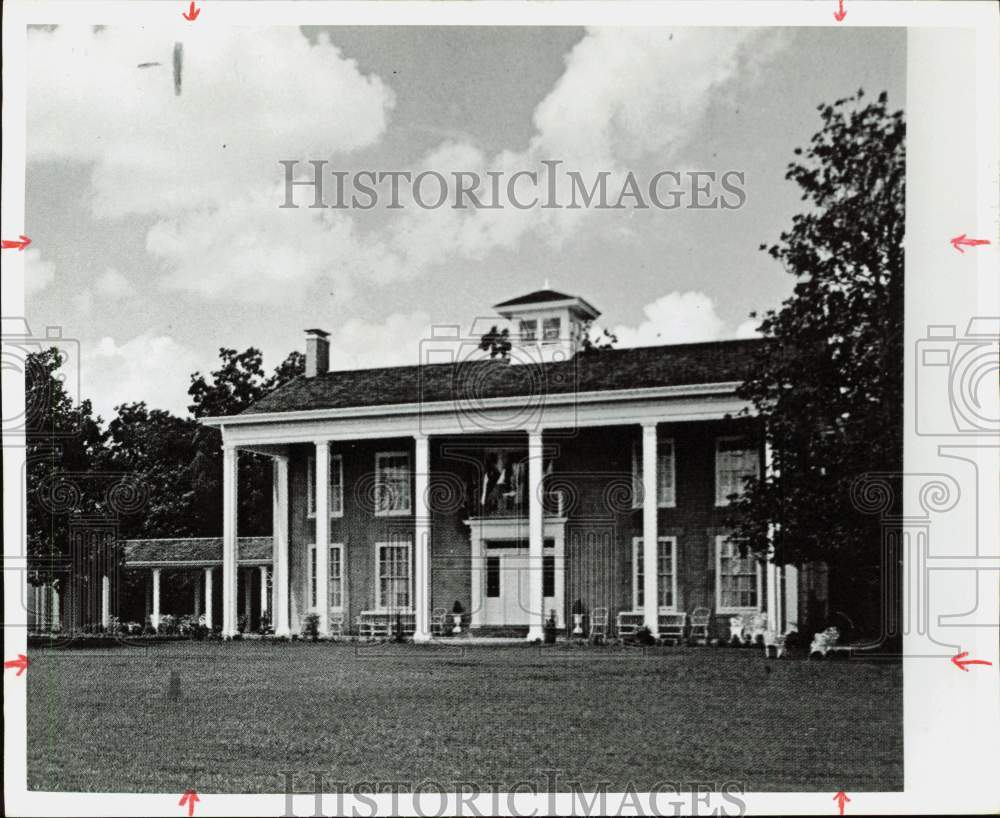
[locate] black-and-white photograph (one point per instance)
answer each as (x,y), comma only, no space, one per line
(414,410)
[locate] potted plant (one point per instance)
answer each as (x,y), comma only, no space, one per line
(549,629)
(456,617)
(578,618)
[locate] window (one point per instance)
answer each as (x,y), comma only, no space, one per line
(550,329)
(336,497)
(666,579)
(393,589)
(666,476)
(737,579)
(735,458)
(392,483)
(548,577)
(493,577)
(529,330)
(335,587)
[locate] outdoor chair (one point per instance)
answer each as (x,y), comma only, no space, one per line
(737,628)
(598,625)
(672,626)
(439,620)
(757,626)
(629,623)
(824,641)
(337,624)
(700,620)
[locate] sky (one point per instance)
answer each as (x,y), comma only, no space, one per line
(157,236)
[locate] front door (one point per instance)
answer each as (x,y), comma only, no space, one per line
(508,591)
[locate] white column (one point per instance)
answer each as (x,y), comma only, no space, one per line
(154,618)
(772,595)
(279,548)
(55,620)
(650,509)
(536,536)
(560,575)
(323,535)
(421,540)
(229,542)
(105,602)
(248,596)
(263,591)
(208,598)
(792,596)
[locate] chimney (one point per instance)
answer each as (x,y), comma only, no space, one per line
(317,352)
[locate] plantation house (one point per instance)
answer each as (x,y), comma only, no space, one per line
(564,483)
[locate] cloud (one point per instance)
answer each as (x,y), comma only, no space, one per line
(204,162)
(249,97)
(151,368)
(396,341)
(38,274)
(113,284)
(678,318)
(748,329)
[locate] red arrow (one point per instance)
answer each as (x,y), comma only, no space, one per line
(189,798)
(956,242)
(191,14)
(839,16)
(16,245)
(841,798)
(960,661)
(21,663)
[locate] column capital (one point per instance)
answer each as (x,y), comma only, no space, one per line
(322,443)
(649,424)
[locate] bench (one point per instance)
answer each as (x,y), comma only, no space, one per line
(382,624)
(672,624)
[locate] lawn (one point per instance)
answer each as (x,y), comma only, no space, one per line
(238,714)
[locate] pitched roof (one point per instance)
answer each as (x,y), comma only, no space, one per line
(608,370)
(194,550)
(537,297)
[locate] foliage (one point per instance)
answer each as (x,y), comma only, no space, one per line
(457,608)
(828,381)
(496,342)
(310,626)
(601,342)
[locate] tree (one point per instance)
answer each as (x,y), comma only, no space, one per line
(496,342)
(64,444)
(238,383)
(828,381)
(600,342)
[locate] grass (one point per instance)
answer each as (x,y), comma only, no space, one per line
(238,714)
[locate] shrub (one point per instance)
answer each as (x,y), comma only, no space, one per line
(310,627)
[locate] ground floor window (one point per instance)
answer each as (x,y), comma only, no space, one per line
(737,579)
(666,573)
(335,587)
(393,589)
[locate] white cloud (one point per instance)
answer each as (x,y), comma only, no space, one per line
(38,274)
(148,367)
(249,97)
(113,284)
(748,329)
(396,341)
(679,318)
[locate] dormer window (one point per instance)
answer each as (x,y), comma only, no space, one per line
(550,330)
(529,330)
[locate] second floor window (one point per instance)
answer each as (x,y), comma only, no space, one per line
(735,459)
(336,495)
(665,474)
(392,483)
